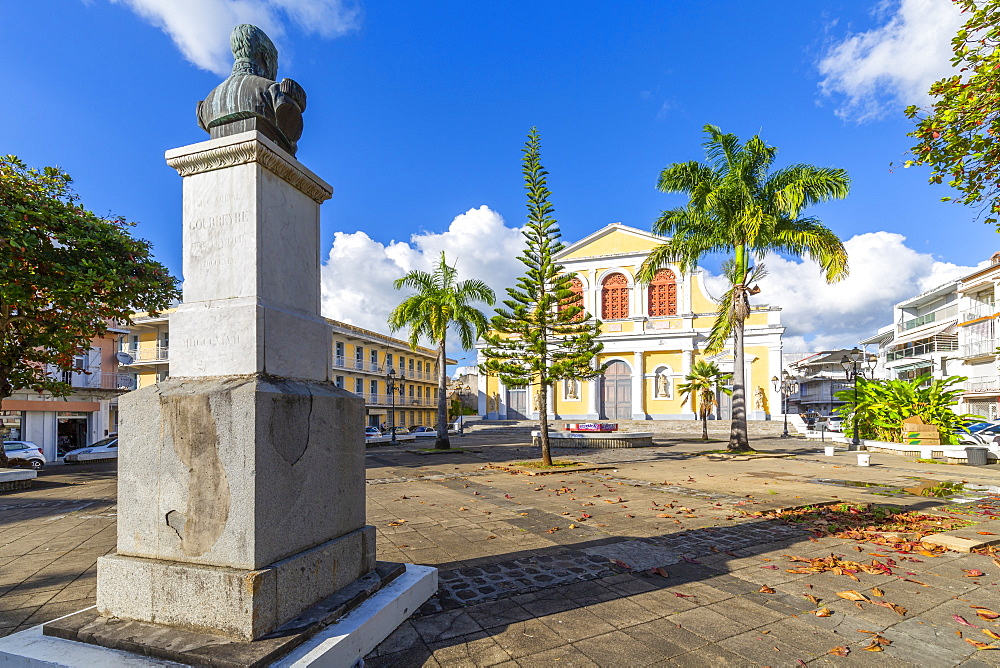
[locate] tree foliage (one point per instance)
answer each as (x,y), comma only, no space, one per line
(703,385)
(441,303)
(880,407)
(542,334)
(737,205)
(65,275)
(959,137)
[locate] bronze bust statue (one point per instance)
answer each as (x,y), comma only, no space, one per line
(250,98)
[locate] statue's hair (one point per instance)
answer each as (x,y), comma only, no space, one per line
(251,46)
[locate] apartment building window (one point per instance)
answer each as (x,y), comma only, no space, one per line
(338,351)
(373,390)
(388,361)
(420,392)
(359,386)
(339,382)
(373,357)
(411,366)
(420,366)
(402,363)
(411,391)
(359,357)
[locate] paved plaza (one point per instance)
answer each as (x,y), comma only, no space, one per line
(653,557)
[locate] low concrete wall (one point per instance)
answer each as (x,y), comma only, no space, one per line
(14,479)
(565,439)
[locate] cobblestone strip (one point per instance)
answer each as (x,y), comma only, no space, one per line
(475,584)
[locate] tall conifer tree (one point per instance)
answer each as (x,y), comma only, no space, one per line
(543,335)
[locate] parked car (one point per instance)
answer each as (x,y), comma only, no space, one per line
(372,431)
(103,449)
(835,423)
(24,453)
(423,431)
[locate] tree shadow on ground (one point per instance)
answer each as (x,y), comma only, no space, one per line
(486,598)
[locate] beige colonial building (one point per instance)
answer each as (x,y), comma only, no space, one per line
(652,335)
(361,361)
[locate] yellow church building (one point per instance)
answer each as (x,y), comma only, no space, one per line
(652,335)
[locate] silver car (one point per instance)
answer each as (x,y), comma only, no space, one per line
(26,451)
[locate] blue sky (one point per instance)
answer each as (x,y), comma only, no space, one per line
(418,111)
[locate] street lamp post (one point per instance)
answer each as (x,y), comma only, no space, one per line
(786,385)
(857,364)
(391,386)
(462,391)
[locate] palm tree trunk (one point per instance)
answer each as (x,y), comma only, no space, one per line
(543,423)
(704,424)
(738,439)
(442,442)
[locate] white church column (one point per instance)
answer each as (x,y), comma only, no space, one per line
(638,386)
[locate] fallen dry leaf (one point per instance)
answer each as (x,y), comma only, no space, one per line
(854,596)
(976,643)
(840,651)
(877,592)
(990,634)
(823,612)
(815,601)
(986,533)
(973,573)
(873,647)
(660,571)
(765,590)
(962,620)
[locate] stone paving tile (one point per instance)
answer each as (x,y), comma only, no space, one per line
(444,625)
(567,655)
(761,648)
(666,637)
(577,624)
(522,639)
(711,625)
(618,649)
(475,650)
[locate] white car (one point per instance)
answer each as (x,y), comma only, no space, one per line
(105,449)
(25,451)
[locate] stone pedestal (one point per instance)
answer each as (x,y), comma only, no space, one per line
(241,477)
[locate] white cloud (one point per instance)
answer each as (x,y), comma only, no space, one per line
(358,274)
(893,65)
(200,28)
(884,271)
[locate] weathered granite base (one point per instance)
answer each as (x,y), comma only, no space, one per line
(237,515)
(335,632)
(238,603)
(622,439)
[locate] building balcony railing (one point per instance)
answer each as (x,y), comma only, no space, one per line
(977,310)
(98,381)
(978,348)
(982,385)
(933,316)
(400,402)
(146,354)
(361,366)
(936,346)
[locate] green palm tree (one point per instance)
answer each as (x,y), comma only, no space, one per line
(703,385)
(439,304)
(736,206)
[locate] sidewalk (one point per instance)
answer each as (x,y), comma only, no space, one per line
(555,569)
